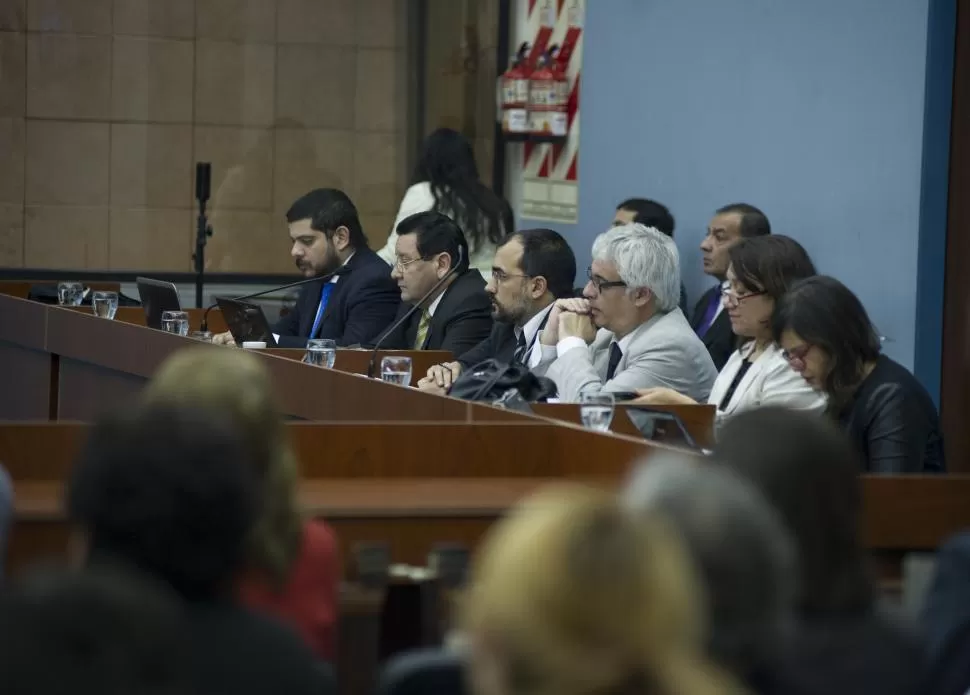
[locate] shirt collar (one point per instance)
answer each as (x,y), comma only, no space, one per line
(531,326)
(336,277)
(434,305)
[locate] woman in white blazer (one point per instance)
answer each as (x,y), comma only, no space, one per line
(446,180)
(762,269)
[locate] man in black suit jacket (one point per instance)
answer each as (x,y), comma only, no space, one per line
(532,269)
(355,304)
(456,316)
(730,224)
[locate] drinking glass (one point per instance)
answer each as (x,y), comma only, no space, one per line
(396,370)
(204,336)
(321,351)
(105,304)
(70,293)
(596,410)
(175,322)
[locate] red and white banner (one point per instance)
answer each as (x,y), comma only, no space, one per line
(550,172)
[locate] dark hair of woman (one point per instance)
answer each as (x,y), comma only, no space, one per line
(827,315)
(807,468)
(447,162)
(770,264)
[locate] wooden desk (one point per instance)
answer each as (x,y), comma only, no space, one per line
(21,288)
(136,315)
(357,361)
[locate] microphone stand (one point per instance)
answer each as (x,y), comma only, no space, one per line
(203,174)
(372,365)
(304,281)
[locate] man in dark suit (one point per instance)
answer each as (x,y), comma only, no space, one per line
(430,248)
(649,213)
(532,269)
(730,224)
(359,300)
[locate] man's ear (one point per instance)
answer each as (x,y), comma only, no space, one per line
(538,286)
(341,238)
(641,296)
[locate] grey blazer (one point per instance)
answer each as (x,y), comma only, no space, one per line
(663,351)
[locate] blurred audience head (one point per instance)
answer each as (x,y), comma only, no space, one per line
(235,384)
(168,490)
(447,163)
(532,268)
(762,269)
(103,631)
(807,469)
(325,229)
(428,246)
(729,225)
(635,274)
(647,212)
(739,544)
(573,595)
(827,336)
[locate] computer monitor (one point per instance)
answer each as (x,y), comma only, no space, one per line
(156,297)
(661,426)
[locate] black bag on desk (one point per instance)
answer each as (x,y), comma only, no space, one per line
(490,380)
(47,294)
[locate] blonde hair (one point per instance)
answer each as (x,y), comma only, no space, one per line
(577,596)
(235,382)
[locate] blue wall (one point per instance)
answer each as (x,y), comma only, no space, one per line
(814,111)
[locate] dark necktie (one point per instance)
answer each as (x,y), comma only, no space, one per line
(710,313)
(615,354)
(519,348)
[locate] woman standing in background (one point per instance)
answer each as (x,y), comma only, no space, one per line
(446,180)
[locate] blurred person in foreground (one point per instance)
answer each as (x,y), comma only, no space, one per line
(807,469)
(572,595)
(6,514)
(626,331)
(760,272)
(292,567)
(105,630)
(172,492)
(745,556)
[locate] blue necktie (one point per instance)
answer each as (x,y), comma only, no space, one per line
(711,313)
(324,298)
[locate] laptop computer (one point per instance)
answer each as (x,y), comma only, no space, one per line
(661,426)
(246,321)
(156,297)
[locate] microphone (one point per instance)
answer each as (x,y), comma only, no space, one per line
(342,270)
(410,312)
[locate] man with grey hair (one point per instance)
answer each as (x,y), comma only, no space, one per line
(742,550)
(643,340)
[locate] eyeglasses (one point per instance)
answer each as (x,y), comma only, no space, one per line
(402,265)
(600,284)
(499,275)
(732,297)
(796,356)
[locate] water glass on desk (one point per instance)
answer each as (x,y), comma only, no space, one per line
(204,336)
(70,293)
(105,304)
(175,322)
(396,370)
(596,410)
(321,352)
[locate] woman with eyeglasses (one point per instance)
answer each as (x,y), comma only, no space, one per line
(829,340)
(761,271)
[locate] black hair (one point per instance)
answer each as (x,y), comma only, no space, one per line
(169,490)
(447,162)
(770,264)
(827,315)
(327,209)
(102,631)
(807,468)
(753,221)
(650,213)
(546,254)
(436,233)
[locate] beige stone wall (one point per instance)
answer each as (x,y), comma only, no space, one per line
(105,106)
